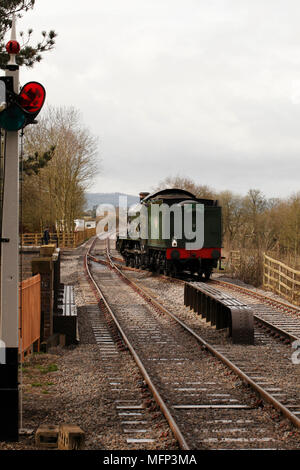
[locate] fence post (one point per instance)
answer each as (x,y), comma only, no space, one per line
(282,279)
(293,286)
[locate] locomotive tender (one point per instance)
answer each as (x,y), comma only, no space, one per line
(180,233)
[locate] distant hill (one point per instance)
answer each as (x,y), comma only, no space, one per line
(94,199)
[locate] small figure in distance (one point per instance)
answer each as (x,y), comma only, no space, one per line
(46,236)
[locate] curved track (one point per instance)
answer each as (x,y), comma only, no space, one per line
(274,314)
(164,408)
(286,327)
(223,404)
(278,317)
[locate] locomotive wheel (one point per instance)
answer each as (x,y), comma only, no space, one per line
(132,262)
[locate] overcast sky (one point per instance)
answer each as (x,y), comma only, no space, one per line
(207,89)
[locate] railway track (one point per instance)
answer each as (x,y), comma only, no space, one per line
(235,356)
(275,316)
(205,406)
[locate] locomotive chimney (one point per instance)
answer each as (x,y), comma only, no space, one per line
(142,195)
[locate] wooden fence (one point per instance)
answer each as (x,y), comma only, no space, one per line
(281,279)
(29,314)
(234,259)
(63,239)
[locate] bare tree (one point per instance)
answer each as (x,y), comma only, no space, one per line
(233,217)
(181,182)
(62,183)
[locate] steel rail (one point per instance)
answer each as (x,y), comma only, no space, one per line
(283,333)
(171,421)
(277,329)
(268,301)
(263,393)
(250,292)
(259,295)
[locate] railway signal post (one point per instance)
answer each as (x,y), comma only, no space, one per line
(17,110)
(9,328)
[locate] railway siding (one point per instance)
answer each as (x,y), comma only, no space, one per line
(273,349)
(190,396)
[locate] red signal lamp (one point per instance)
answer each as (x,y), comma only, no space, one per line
(21,109)
(32,97)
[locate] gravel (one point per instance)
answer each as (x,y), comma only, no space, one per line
(272,359)
(73,384)
(77,384)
